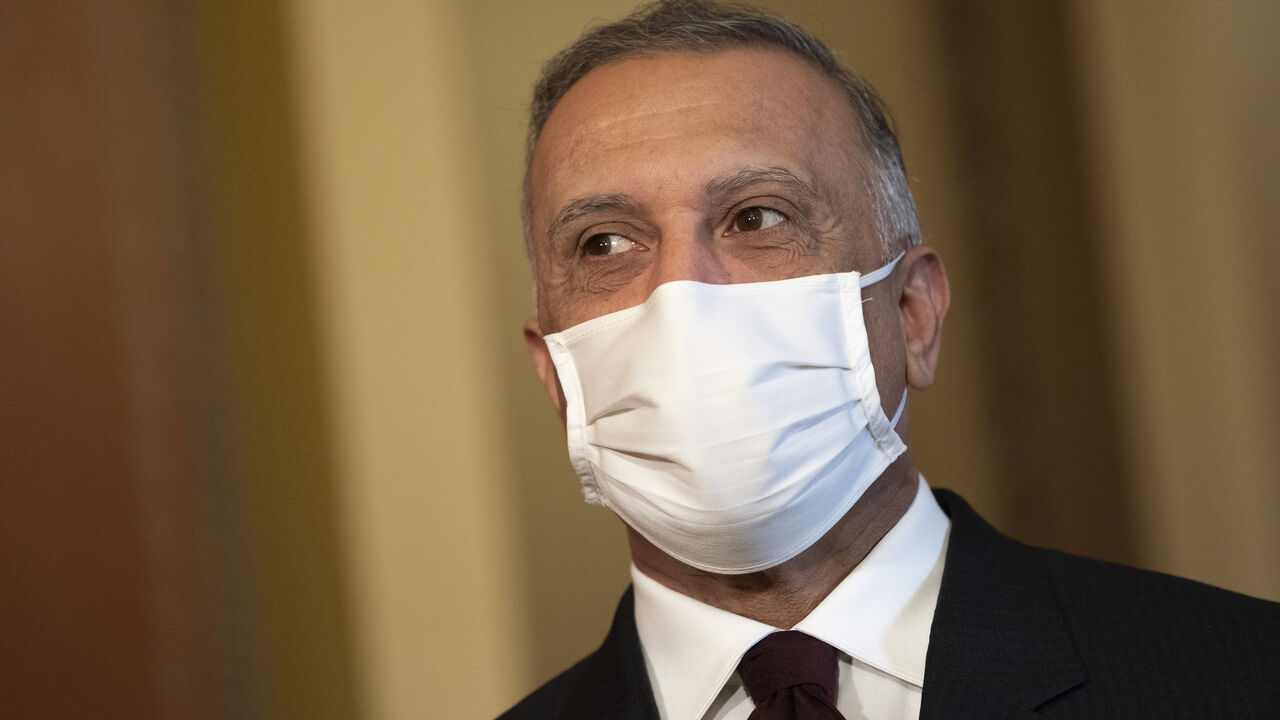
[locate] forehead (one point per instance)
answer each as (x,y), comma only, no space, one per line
(660,120)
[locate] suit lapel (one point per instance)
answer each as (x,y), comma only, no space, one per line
(614,682)
(999,645)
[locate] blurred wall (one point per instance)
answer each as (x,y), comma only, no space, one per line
(271,446)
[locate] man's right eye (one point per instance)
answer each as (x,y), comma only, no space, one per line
(606,244)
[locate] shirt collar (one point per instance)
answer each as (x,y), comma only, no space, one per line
(880,614)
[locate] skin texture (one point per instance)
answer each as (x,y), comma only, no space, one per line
(647,172)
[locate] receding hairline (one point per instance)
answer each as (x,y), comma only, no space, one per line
(538,124)
(834,82)
(851,122)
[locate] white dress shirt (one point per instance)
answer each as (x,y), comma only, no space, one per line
(877,618)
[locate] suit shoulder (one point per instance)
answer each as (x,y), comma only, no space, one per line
(548,701)
(1113,590)
(1082,580)
(1096,639)
(1168,624)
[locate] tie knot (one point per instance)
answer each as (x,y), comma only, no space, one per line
(788,660)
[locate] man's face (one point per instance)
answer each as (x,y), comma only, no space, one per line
(724,167)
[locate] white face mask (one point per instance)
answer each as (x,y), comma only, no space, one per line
(730,425)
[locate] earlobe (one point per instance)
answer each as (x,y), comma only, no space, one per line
(926,294)
(542,363)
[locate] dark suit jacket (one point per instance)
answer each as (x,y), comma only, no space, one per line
(1022,632)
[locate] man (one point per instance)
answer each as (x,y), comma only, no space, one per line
(732,299)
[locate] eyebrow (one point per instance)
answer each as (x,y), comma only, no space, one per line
(587,205)
(747,177)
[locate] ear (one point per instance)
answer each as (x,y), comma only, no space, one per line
(926,294)
(542,363)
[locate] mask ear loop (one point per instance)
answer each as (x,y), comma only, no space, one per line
(872,278)
(902,405)
(879,273)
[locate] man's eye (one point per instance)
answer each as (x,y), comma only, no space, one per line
(756,218)
(606,244)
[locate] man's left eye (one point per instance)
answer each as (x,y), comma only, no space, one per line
(756,218)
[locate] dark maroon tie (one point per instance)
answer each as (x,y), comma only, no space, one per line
(791,676)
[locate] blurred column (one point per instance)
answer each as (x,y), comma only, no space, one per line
(1183,104)
(1031,233)
(284,643)
(390,169)
(104,572)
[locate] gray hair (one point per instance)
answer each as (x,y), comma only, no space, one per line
(699,26)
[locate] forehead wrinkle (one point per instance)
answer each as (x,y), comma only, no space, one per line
(621,132)
(621,118)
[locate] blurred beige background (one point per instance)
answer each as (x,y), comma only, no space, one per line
(270,446)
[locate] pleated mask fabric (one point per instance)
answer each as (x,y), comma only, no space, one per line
(730,425)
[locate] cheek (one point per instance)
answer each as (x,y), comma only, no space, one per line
(550,300)
(766,263)
(569,310)
(568,298)
(552,313)
(850,241)
(576,299)
(884,334)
